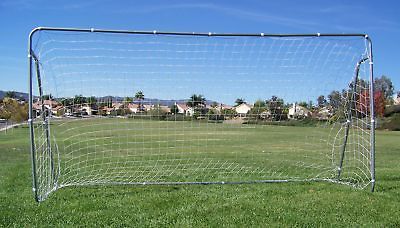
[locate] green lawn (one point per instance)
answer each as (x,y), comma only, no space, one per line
(280,204)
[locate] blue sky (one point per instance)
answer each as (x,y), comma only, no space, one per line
(380,19)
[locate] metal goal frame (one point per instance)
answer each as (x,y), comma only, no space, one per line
(34,70)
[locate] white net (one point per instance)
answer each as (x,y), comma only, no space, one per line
(163,109)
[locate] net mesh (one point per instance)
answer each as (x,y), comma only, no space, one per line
(154,109)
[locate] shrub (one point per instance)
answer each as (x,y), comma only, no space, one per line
(390,110)
(391,123)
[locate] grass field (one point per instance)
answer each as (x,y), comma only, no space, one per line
(126,150)
(280,204)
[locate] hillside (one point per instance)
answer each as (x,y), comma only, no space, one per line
(19,95)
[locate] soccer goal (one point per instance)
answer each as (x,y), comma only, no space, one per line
(114,107)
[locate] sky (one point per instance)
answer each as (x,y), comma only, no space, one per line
(379,19)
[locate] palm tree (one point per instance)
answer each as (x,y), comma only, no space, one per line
(139,96)
(196,101)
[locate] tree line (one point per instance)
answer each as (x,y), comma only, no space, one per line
(355,98)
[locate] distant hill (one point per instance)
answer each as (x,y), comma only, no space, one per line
(144,101)
(25,96)
(19,95)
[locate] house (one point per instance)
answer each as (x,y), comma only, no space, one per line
(225,106)
(107,110)
(165,108)
(37,109)
(89,109)
(323,113)
(220,107)
(58,110)
(243,109)
(117,105)
(147,107)
(134,108)
(50,105)
(265,114)
(184,109)
(298,112)
(396,100)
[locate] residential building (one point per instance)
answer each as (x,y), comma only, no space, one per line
(298,112)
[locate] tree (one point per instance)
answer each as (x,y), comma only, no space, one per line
(385,85)
(10,109)
(79,99)
(10,94)
(303,104)
(47,97)
(336,102)
(109,102)
(214,115)
(174,109)
(157,113)
(276,108)
(228,113)
(258,108)
(240,101)
(321,101)
(259,103)
(92,100)
(5,112)
(196,101)
(139,95)
(361,86)
(335,99)
(310,105)
(364,103)
(128,100)
(214,104)
(379,103)
(67,103)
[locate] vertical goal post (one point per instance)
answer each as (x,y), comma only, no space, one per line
(88,127)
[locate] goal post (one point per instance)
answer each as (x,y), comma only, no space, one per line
(146,107)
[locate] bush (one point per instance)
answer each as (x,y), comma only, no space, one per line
(391,110)
(10,109)
(391,123)
(216,117)
(139,116)
(178,117)
(157,114)
(213,115)
(306,122)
